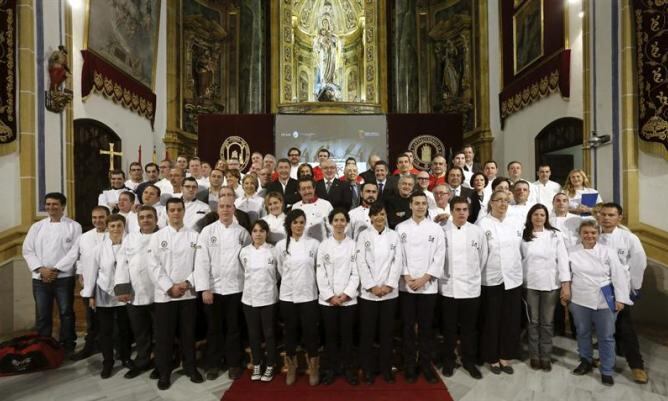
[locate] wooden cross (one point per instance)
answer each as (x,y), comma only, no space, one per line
(111,154)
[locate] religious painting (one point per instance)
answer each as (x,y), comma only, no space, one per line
(125,34)
(528,34)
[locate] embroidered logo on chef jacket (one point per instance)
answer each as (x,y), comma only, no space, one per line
(353,257)
(68,240)
(213,240)
(326,257)
(367,244)
(400,214)
(431,238)
(475,244)
(554,235)
(519,233)
(311,254)
(271,261)
(195,246)
(393,247)
(244,261)
(488,234)
(163,244)
(403,237)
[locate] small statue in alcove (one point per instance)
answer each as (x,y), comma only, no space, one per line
(57,97)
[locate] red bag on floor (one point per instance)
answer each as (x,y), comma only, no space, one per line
(28,354)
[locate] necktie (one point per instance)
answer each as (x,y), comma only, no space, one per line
(380,189)
(355,195)
(328,185)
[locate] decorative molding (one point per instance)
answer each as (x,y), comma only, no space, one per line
(8,77)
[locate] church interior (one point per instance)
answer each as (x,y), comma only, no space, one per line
(90,86)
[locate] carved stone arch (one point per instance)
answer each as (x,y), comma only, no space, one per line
(90,167)
(559,145)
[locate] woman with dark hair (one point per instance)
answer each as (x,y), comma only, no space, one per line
(337,279)
(501,183)
(259,299)
(545,266)
(298,295)
(304,170)
(478,183)
(379,264)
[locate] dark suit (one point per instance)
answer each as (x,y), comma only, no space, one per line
(477,168)
(474,202)
(397,209)
(291,193)
(368,176)
(339,194)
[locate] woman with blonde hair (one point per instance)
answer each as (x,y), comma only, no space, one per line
(275,218)
(575,186)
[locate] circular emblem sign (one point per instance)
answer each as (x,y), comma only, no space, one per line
(236,147)
(425,147)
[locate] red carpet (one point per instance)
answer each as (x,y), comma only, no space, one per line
(276,390)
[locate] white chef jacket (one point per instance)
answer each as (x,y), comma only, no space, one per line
(203,182)
(379,262)
(435,211)
(254,206)
(276,228)
(260,275)
(569,226)
(317,213)
(99,278)
(217,265)
(131,222)
(518,214)
(195,210)
(630,252)
(132,185)
(109,197)
(87,243)
(593,269)
(576,200)
(297,269)
(162,214)
(165,186)
(504,260)
(545,192)
(423,249)
(133,267)
(51,244)
(359,221)
(172,260)
(466,252)
(336,270)
(545,261)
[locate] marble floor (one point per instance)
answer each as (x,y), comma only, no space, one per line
(80,382)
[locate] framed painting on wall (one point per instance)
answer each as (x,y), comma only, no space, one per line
(125,34)
(527,34)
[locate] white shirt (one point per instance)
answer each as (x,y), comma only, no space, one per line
(165,186)
(171,260)
(518,214)
(630,252)
(260,275)
(133,267)
(545,261)
(593,269)
(317,226)
(297,269)
(423,249)
(379,262)
(109,197)
(195,210)
(162,214)
(87,243)
(203,182)
(545,192)
(131,222)
(217,265)
(359,221)
(336,271)
(568,225)
(504,261)
(466,181)
(293,171)
(99,279)
(276,228)
(466,252)
(253,205)
(132,185)
(436,211)
(52,244)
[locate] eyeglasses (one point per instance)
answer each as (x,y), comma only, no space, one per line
(423,178)
(293,154)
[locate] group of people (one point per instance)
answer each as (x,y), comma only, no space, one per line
(299,247)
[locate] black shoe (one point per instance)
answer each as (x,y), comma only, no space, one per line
(411,375)
(195,376)
(234,373)
(83,354)
(351,377)
(473,370)
(507,369)
(546,365)
(389,377)
(327,377)
(448,369)
(106,371)
(132,373)
(128,364)
(495,369)
(155,375)
(607,380)
(429,375)
(535,364)
(212,374)
(164,383)
(583,368)
(368,378)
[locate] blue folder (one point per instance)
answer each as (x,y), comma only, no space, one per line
(609,295)
(589,200)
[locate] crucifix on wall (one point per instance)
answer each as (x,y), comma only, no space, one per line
(111,155)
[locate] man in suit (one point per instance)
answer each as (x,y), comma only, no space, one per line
(285,185)
(330,188)
(380,173)
(351,189)
(454,178)
(403,169)
(210,195)
(469,155)
(370,175)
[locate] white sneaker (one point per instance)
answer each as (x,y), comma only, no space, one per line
(268,374)
(257,373)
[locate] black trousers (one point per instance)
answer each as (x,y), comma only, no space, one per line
(223,337)
(339,326)
(417,308)
(170,316)
(260,322)
(460,315)
(627,339)
(306,315)
(92,328)
(141,321)
(376,317)
(501,317)
(107,317)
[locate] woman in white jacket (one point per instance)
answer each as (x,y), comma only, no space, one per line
(545,265)
(259,299)
(298,294)
(378,256)
(99,288)
(337,280)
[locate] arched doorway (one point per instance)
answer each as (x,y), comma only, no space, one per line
(559,145)
(91,168)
